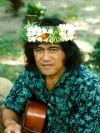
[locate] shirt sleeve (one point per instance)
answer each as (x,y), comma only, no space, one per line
(20,92)
(86,110)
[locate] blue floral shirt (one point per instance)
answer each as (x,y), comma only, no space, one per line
(73,104)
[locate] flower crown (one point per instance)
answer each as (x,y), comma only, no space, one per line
(47,34)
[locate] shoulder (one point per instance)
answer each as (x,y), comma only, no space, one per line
(89,82)
(82,75)
(86,74)
(87,86)
(87,78)
(85,81)
(29,74)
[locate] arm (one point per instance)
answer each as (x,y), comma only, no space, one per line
(16,100)
(85,118)
(10,121)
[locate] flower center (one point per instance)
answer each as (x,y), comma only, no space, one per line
(44,36)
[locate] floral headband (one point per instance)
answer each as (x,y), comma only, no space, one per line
(47,34)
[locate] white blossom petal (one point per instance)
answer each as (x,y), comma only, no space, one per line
(64,32)
(50,31)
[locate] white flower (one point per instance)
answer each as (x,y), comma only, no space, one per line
(44,30)
(32,39)
(29,34)
(50,31)
(29,39)
(30,29)
(60,33)
(70,26)
(39,39)
(67,31)
(38,31)
(62,27)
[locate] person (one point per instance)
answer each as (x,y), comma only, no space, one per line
(54,74)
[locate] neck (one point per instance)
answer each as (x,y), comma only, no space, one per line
(51,80)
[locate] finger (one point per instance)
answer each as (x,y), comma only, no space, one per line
(18,132)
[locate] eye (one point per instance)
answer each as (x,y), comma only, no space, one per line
(54,49)
(39,50)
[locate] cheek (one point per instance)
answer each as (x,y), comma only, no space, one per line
(36,56)
(37,59)
(61,58)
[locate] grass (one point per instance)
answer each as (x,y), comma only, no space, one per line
(10,50)
(8,45)
(11,72)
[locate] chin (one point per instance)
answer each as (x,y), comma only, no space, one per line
(48,73)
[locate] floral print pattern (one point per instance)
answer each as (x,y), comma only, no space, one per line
(73,104)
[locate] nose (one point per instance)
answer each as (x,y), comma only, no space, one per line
(46,55)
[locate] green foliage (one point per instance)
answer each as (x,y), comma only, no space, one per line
(94,61)
(15,5)
(9,50)
(8,46)
(22,34)
(34,12)
(2,3)
(11,72)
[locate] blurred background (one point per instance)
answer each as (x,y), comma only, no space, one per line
(84,14)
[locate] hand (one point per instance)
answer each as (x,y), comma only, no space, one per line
(13,128)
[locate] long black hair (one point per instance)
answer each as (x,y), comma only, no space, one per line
(71,50)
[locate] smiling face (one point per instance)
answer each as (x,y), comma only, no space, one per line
(50,59)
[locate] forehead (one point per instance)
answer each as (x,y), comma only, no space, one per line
(47,45)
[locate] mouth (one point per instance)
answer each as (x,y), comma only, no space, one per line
(46,65)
